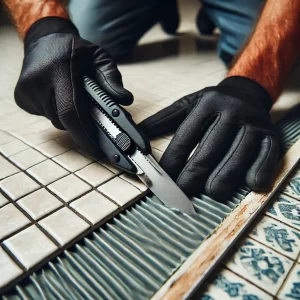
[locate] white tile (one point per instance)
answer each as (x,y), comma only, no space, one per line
(47,172)
(134,180)
(6,168)
(260,265)
(110,167)
(27,158)
(228,285)
(13,147)
(69,187)
(95,174)
(52,148)
(277,236)
(94,207)
(119,190)
(5,138)
(290,288)
(11,220)
(18,185)
(3,200)
(9,270)
(39,203)
(72,160)
(64,225)
(30,246)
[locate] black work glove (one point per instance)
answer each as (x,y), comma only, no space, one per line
(51,80)
(231,124)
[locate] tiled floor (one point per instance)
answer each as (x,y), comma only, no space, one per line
(51,192)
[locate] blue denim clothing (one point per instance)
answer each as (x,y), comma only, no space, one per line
(117,25)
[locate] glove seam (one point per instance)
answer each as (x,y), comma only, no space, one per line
(231,155)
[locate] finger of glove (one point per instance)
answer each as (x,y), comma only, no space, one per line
(213,147)
(260,173)
(233,167)
(185,140)
(170,17)
(168,119)
(109,78)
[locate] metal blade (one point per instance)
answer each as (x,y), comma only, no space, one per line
(160,183)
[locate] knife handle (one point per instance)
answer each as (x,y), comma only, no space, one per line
(120,116)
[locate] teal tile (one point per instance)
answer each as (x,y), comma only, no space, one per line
(228,285)
(286,210)
(260,265)
(277,236)
(291,287)
(292,187)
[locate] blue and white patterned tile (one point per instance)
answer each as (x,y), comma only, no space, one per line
(286,210)
(228,285)
(260,265)
(291,287)
(277,236)
(292,187)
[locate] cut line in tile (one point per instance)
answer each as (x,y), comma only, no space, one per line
(27,158)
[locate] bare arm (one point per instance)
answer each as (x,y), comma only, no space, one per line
(273,48)
(27,12)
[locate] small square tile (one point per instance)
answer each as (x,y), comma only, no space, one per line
(291,286)
(277,236)
(3,200)
(18,185)
(286,210)
(119,190)
(292,187)
(260,265)
(39,203)
(72,160)
(5,138)
(30,246)
(47,172)
(52,148)
(64,225)
(6,168)
(28,158)
(95,174)
(68,188)
(11,220)
(8,268)
(13,147)
(134,180)
(228,285)
(110,167)
(94,207)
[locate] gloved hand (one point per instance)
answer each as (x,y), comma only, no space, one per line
(231,124)
(51,80)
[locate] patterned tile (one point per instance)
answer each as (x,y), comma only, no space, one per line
(228,285)
(18,185)
(47,172)
(39,203)
(285,209)
(6,168)
(94,207)
(95,174)
(30,253)
(9,269)
(11,220)
(277,236)
(291,287)
(260,265)
(68,188)
(27,158)
(293,186)
(64,225)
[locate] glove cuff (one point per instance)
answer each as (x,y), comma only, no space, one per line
(46,26)
(250,87)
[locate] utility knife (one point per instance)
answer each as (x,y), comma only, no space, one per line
(128,149)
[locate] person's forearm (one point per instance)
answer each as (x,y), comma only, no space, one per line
(27,12)
(273,48)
